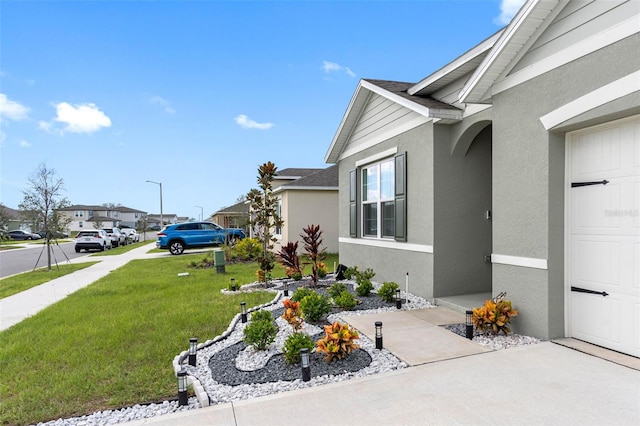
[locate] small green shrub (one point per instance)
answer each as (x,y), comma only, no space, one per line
(335,290)
(293,344)
(260,332)
(296,276)
(363,281)
(315,307)
(301,293)
(261,315)
(387,291)
(346,300)
(245,249)
(350,272)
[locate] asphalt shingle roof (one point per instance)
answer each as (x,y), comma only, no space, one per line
(322,178)
(400,88)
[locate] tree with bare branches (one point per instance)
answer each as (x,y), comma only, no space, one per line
(42,200)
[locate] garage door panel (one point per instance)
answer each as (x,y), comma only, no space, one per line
(604,235)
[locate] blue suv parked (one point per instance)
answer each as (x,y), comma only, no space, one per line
(180,236)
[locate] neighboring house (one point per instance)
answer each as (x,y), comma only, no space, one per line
(92,216)
(235,216)
(15,220)
(311,199)
(167,218)
(487,175)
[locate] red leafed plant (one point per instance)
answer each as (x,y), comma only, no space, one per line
(292,314)
(312,237)
(288,257)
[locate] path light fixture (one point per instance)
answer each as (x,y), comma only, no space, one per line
(285,287)
(183,398)
(398,300)
(378,334)
(306,368)
(469,325)
(233,284)
(243,310)
(161,217)
(193,346)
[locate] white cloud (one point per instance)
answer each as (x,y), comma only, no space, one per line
(329,67)
(24,144)
(247,123)
(162,103)
(12,109)
(508,9)
(82,118)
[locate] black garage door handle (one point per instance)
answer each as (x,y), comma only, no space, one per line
(584,290)
(599,182)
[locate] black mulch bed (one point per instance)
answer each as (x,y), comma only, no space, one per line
(223,363)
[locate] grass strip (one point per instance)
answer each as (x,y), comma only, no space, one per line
(111,344)
(21,282)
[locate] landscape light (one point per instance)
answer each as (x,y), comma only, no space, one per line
(243,309)
(398,300)
(306,368)
(285,287)
(193,342)
(182,388)
(469,325)
(378,334)
(233,284)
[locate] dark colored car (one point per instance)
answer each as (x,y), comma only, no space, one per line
(22,235)
(53,234)
(180,236)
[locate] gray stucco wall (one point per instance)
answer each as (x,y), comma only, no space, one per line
(528,181)
(462,197)
(392,264)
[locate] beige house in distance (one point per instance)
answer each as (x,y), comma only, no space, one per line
(307,197)
(85,216)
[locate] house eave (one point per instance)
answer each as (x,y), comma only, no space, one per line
(305,188)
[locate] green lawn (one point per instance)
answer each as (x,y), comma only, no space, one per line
(121,249)
(111,344)
(17,283)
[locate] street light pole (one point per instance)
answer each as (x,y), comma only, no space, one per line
(161,217)
(201,213)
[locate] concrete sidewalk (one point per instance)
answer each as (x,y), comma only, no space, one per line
(538,384)
(14,309)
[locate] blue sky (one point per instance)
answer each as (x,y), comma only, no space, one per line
(197,95)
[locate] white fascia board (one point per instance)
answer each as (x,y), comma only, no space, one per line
(607,93)
(305,188)
(340,136)
(504,39)
(455,64)
(420,109)
(390,244)
(379,156)
(584,47)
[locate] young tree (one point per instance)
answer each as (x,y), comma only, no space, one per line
(4,222)
(264,215)
(42,200)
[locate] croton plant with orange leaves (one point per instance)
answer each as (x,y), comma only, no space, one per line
(292,314)
(338,341)
(494,316)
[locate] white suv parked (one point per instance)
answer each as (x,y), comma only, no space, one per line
(131,234)
(117,237)
(95,239)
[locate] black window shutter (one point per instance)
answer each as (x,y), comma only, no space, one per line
(353,205)
(401,196)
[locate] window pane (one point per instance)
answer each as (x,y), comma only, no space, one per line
(386,180)
(370,219)
(370,184)
(388,219)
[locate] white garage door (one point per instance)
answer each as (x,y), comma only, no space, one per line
(603,253)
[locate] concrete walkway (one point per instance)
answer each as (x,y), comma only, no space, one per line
(14,309)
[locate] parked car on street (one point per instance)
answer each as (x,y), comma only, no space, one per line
(117,237)
(180,236)
(131,234)
(94,239)
(19,234)
(53,234)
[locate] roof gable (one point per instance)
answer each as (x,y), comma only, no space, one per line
(320,180)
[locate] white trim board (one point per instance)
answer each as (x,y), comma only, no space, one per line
(378,156)
(422,248)
(527,262)
(607,93)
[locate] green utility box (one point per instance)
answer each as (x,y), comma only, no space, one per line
(218,260)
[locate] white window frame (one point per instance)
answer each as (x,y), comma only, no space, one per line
(379,201)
